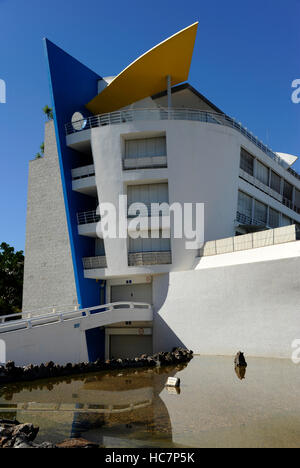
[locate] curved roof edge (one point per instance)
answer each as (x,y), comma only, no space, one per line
(147,75)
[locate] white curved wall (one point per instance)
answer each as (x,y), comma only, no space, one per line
(203,165)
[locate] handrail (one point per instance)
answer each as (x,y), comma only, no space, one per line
(61,317)
(54,308)
(88,217)
(160,113)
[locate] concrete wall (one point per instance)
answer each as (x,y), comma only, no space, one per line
(203,165)
(246,301)
(49,276)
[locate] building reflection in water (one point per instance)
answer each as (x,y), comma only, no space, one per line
(120,408)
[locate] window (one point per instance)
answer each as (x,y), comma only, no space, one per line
(274,218)
(285,221)
(149,245)
(297,198)
(275,182)
(262,173)
(260,212)
(287,191)
(147,194)
(245,204)
(146,147)
(247,162)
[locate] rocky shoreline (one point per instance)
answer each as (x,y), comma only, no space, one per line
(16,435)
(12,374)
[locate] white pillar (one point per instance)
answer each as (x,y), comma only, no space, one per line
(169,91)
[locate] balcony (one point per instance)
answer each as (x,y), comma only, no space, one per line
(269,191)
(260,185)
(248,221)
(83,172)
(93,263)
(88,217)
(84,180)
(133,115)
(149,258)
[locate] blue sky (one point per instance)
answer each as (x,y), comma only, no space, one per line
(246,56)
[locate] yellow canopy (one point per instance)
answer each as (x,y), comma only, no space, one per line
(147,75)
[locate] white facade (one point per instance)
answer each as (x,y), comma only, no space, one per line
(217,304)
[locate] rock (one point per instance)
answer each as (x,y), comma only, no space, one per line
(77,443)
(27,430)
(239,360)
(10,365)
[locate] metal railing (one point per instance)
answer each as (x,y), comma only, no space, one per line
(61,317)
(92,263)
(38,312)
(149,258)
(88,217)
(266,189)
(82,172)
(244,219)
(131,115)
(260,185)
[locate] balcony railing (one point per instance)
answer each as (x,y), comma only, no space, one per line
(260,185)
(82,172)
(247,220)
(132,115)
(92,263)
(149,258)
(88,217)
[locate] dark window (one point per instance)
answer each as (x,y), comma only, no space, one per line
(247,162)
(275,182)
(273,218)
(260,212)
(297,198)
(287,191)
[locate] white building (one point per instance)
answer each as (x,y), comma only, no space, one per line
(145,135)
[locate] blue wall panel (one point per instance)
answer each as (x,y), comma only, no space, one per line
(72,85)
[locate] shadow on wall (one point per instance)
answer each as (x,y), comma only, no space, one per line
(164,338)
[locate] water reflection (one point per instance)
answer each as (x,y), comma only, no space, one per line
(135,409)
(240,372)
(112,409)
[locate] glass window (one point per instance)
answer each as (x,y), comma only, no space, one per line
(285,221)
(287,191)
(274,218)
(146,147)
(149,244)
(297,198)
(247,162)
(260,212)
(245,204)
(262,173)
(275,182)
